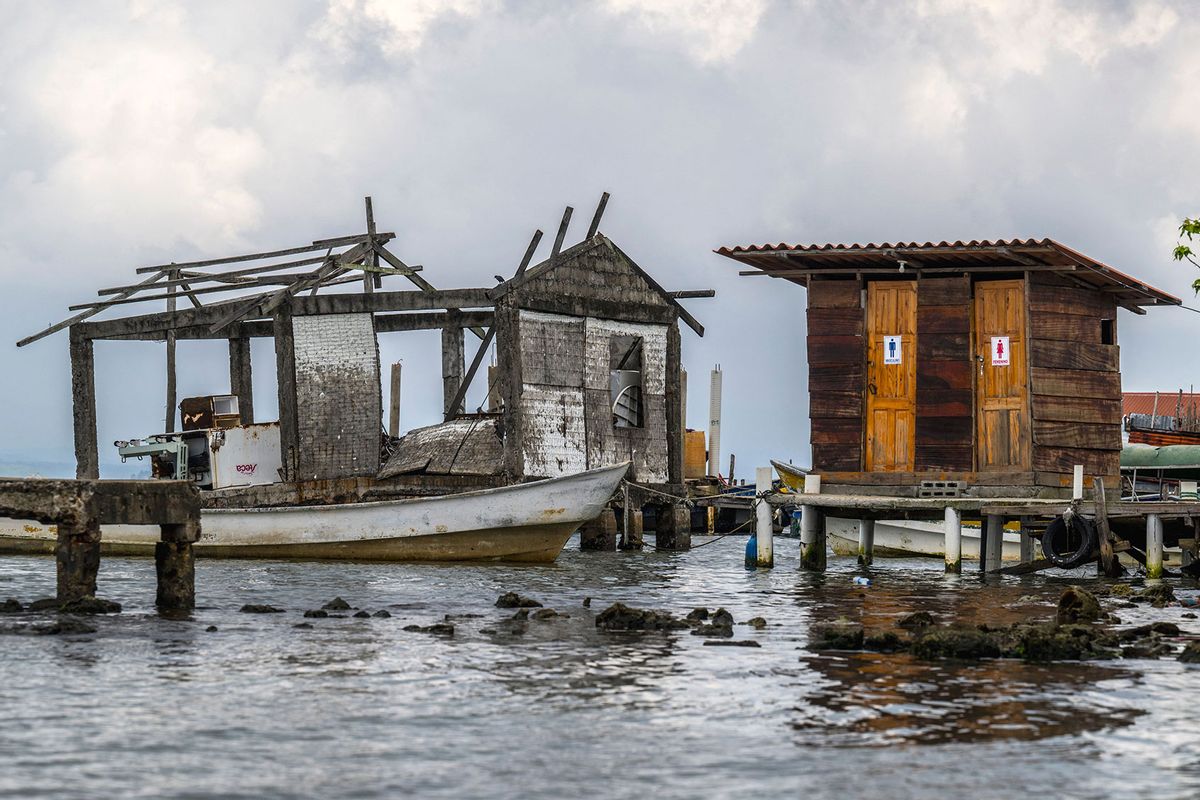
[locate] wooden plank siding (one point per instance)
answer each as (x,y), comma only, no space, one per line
(944,389)
(1075,380)
(835,385)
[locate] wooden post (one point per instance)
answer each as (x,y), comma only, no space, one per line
(175,567)
(866,542)
(953,534)
(1026,545)
(285,374)
(765,528)
(394,401)
(732,464)
(991,546)
(453,364)
(240,377)
(674,528)
(1154,547)
(626,515)
(83,401)
(1107,565)
(78,555)
(674,399)
(600,533)
(369,277)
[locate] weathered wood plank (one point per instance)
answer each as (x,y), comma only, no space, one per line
(1062,460)
(1077,435)
(938,320)
(950,291)
(1071,355)
(836,321)
(836,430)
(834,294)
(1076,409)
(947,347)
(950,457)
(835,349)
(1076,383)
(945,403)
(836,404)
(835,378)
(836,458)
(1071,300)
(1065,327)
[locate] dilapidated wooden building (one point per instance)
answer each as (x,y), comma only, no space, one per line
(995,365)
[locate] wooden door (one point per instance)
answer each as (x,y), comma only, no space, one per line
(1002,430)
(891,375)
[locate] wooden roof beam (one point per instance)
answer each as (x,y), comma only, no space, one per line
(320,244)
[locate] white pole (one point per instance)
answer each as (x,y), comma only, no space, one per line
(714,422)
(765,529)
(1154,546)
(994,531)
(1077,485)
(866,541)
(953,532)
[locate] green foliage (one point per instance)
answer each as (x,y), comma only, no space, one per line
(1188,228)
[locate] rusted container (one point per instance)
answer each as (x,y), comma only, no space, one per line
(208,412)
(694,454)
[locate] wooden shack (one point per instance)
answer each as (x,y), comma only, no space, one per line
(995,365)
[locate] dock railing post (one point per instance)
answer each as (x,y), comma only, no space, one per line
(765,528)
(992,549)
(866,541)
(953,533)
(1154,546)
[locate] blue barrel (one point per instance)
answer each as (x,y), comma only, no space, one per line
(752,552)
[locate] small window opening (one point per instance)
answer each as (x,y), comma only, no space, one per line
(625,381)
(1108,331)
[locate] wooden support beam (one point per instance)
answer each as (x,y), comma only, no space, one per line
(320,244)
(1108,564)
(562,233)
(83,394)
(170,339)
(240,377)
(594,228)
(236,276)
(369,280)
(393,301)
(285,376)
(688,294)
(452,369)
(420,282)
(66,323)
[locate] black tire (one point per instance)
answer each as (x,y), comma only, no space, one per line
(1071,546)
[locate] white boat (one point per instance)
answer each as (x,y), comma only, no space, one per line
(528,522)
(908,538)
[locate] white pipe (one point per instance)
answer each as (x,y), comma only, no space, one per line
(1154,546)
(866,541)
(714,422)
(765,529)
(953,531)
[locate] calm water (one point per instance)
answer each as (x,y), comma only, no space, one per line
(360,708)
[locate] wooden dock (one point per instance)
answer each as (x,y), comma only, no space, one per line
(79,507)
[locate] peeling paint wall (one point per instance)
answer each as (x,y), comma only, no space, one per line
(338,402)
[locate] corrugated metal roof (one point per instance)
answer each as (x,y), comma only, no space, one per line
(1163,404)
(796,261)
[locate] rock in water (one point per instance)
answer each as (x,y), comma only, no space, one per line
(260,608)
(547,613)
(1157,595)
(514,600)
(90,605)
(620,617)
(1191,654)
(43,604)
(918,619)
(840,635)
(316,613)
(960,643)
(1077,605)
(758,623)
(382,613)
(11,606)
(722,618)
(724,643)
(437,628)
(885,642)
(362,614)
(64,626)
(697,615)
(336,604)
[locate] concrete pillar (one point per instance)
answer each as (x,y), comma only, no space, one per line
(600,533)
(453,360)
(812,539)
(991,551)
(953,533)
(635,527)
(83,396)
(764,526)
(674,531)
(78,556)
(866,542)
(176,569)
(1154,546)
(394,401)
(240,377)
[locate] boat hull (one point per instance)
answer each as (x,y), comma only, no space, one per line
(522,523)
(909,538)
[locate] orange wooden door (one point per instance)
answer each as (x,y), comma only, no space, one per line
(891,375)
(1002,387)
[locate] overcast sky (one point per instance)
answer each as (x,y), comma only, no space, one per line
(133,133)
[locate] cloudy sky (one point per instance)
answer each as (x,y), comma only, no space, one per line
(138,132)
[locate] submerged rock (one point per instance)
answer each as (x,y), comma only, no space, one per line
(211,629)
(1052,642)
(316,613)
(1147,650)
(520,614)
(362,615)
(44,604)
(514,600)
(260,608)
(336,604)
(382,613)
(1157,595)
(697,615)
(1120,590)
(303,625)
(1077,605)
(918,619)
(90,605)
(722,618)
(958,643)
(620,617)
(884,642)
(548,613)
(437,628)
(1191,653)
(840,635)
(758,623)
(11,606)
(587,602)
(63,626)
(730,643)
(724,631)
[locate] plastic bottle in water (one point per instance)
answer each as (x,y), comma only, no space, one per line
(861,581)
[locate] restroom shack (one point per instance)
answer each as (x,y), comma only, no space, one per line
(993,364)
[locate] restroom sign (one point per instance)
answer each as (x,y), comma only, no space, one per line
(1001,350)
(892,350)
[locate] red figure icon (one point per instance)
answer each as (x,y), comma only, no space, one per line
(999,348)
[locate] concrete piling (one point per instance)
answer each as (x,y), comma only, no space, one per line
(175,567)
(953,533)
(764,527)
(600,533)
(812,539)
(634,530)
(78,556)
(674,530)
(1154,546)
(866,541)
(992,545)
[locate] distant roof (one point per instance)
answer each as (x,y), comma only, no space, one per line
(795,262)
(1163,404)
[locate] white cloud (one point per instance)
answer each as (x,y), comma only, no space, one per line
(398,26)
(711,31)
